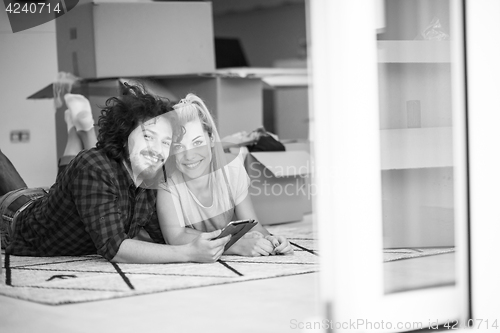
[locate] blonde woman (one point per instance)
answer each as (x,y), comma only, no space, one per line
(203,191)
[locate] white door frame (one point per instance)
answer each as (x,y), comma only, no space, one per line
(483,74)
(347,209)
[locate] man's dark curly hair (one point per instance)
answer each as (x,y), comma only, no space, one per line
(121,116)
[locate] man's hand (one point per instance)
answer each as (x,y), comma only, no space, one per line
(280,244)
(204,249)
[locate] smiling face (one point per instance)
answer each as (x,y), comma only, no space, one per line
(193,153)
(149,145)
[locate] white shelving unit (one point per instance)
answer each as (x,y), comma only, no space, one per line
(412,148)
(413,51)
(416,136)
(416,148)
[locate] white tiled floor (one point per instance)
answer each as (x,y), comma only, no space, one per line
(425,272)
(254,307)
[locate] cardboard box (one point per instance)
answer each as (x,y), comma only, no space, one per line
(303,145)
(103,40)
(277,186)
(297,145)
(97,92)
(236,103)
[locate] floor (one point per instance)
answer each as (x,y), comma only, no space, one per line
(417,273)
(255,306)
(268,305)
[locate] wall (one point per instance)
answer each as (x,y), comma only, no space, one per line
(28,62)
(406,20)
(417,207)
(266,34)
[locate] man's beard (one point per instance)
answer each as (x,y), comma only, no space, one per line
(142,169)
(147,173)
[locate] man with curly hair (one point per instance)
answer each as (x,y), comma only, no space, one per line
(105,196)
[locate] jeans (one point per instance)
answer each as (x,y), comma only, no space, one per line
(11,205)
(16,197)
(9,177)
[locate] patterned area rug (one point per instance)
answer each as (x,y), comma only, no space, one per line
(410,253)
(64,280)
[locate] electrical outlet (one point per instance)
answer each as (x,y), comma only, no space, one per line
(20,136)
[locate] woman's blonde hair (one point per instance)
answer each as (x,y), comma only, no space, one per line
(189,109)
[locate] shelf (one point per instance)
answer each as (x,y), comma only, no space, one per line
(413,51)
(416,148)
(273,77)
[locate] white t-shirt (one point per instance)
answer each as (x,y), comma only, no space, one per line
(191,213)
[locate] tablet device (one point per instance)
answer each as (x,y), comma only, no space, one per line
(236,229)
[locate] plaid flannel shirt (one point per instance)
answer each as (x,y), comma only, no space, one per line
(93,206)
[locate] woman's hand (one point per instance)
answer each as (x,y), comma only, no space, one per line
(253,244)
(280,244)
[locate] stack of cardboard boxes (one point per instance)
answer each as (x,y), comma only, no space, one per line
(169,47)
(280,186)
